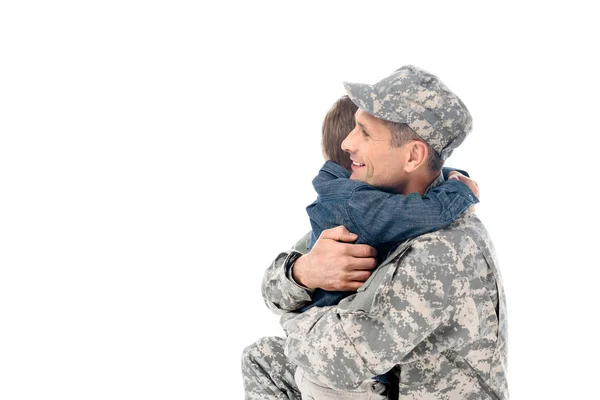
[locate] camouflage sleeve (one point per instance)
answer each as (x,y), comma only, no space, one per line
(342,345)
(279,292)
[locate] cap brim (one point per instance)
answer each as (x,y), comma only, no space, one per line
(361,95)
(366,98)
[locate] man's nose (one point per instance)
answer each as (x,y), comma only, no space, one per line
(348,143)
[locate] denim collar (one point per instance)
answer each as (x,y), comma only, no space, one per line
(335,169)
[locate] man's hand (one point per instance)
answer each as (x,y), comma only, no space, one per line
(467,181)
(334,263)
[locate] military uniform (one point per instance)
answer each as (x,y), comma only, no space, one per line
(435,307)
(434,310)
(268,374)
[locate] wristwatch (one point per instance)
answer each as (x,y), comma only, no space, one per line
(288,264)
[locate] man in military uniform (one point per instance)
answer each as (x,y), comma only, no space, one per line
(433,313)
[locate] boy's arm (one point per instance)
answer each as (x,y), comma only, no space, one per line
(455,174)
(380,217)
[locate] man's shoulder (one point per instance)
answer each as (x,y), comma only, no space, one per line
(465,235)
(465,225)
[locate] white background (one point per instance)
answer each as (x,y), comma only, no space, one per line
(156,156)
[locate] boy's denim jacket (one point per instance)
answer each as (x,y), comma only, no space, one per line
(379,217)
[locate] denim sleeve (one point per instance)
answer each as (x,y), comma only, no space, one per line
(381,217)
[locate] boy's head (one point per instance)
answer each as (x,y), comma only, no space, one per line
(338,122)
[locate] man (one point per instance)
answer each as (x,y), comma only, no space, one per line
(434,311)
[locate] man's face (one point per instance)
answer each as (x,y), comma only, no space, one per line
(374,160)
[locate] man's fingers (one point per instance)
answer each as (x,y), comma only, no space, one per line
(351,286)
(339,234)
(357,264)
(359,276)
(361,250)
(352,280)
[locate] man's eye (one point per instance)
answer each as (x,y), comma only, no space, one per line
(365,134)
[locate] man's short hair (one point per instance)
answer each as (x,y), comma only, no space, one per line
(337,124)
(402,134)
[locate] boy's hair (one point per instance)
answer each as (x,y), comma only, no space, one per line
(337,124)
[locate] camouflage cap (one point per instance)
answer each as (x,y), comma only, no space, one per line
(415,97)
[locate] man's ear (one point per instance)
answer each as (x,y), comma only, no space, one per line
(417,155)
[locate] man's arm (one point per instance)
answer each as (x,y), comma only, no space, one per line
(280,293)
(342,345)
(332,264)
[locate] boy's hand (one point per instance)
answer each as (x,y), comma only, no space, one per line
(334,263)
(467,181)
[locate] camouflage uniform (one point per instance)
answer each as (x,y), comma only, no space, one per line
(435,307)
(268,373)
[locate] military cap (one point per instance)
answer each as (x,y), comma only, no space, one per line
(415,97)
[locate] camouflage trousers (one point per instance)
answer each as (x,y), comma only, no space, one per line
(267,372)
(269,375)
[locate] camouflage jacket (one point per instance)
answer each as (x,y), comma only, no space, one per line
(435,307)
